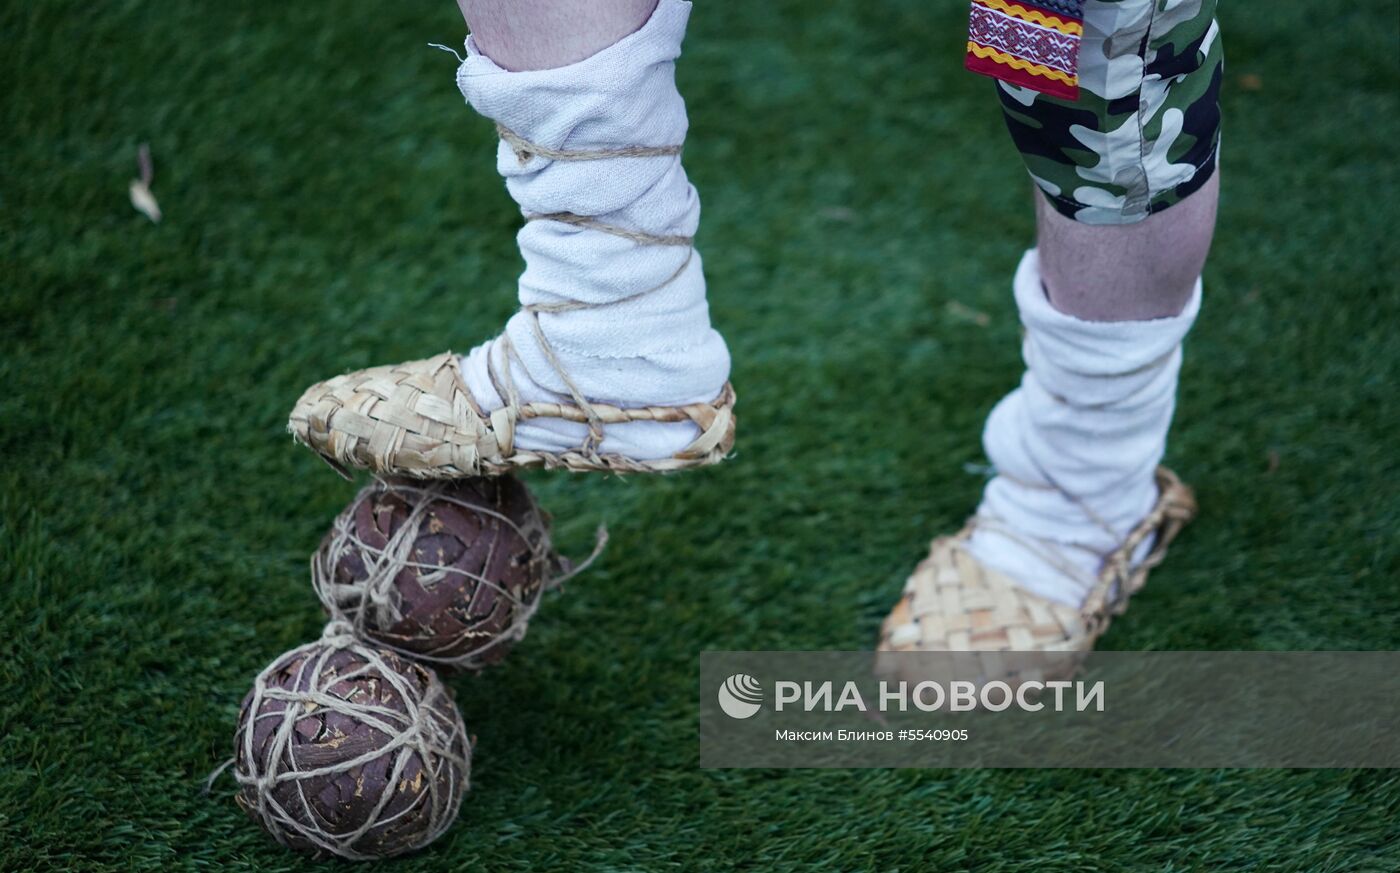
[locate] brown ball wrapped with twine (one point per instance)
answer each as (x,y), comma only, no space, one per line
(348,750)
(446,572)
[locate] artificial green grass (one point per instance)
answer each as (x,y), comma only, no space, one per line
(330,203)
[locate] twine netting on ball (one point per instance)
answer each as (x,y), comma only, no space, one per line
(349,750)
(448,572)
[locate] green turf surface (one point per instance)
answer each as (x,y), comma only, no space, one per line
(330,203)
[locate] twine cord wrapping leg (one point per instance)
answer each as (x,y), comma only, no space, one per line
(525,150)
(503,379)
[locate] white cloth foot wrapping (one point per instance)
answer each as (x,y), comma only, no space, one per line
(1089,420)
(646,338)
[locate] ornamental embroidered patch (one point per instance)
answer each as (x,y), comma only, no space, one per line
(1035,45)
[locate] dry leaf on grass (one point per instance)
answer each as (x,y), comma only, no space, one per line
(141,196)
(963,312)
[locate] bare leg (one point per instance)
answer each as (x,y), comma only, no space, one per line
(1126,272)
(544,34)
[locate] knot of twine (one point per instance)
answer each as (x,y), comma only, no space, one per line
(428,728)
(339,634)
(504,382)
(374,602)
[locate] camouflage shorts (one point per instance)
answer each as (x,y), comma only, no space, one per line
(1145,130)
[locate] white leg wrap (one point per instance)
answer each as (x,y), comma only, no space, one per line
(645,338)
(1076,444)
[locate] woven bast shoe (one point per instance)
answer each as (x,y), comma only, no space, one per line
(952,603)
(418,419)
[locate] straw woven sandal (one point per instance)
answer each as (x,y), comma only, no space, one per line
(417,419)
(952,603)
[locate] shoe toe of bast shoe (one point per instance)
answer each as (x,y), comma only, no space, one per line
(413,419)
(954,604)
